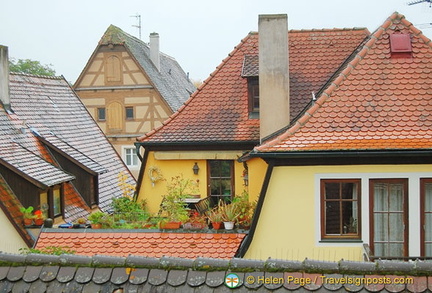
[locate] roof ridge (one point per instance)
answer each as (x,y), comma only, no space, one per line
(335,83)
(377,267)
(55,77)
(205,82)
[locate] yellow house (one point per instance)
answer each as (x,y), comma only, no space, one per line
(352,177)
(223,119)
(130,87)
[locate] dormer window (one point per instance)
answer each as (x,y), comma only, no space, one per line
(400,45)
(253,94)
(250,71)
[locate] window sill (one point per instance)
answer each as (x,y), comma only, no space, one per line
(341,240)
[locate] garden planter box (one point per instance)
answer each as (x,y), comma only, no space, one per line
(194,226)
(170,225)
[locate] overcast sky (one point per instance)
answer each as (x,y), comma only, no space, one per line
(199,34)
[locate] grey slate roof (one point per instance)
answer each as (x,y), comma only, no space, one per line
(17,154)
(171,81)
(50,108)
(74,273)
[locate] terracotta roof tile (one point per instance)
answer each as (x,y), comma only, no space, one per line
(220,105)
(151,244)
(378,102)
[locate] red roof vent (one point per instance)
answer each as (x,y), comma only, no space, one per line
(400,45)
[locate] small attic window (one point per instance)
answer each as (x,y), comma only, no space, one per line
(400,45)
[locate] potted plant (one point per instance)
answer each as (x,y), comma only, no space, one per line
(215,218)
(230,214)
(195,222)
(38,218)
(27,215)
(173,208)
(96,219)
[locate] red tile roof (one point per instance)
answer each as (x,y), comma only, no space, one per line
(151,244)
(378,102)
(218,110)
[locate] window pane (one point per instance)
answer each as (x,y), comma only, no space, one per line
(349,214)
(332,190)
(396,195)
(428,225)
(395,249)
(215,169)
(225,169)
(428,197)
(397,229)
(380,197)
(57,202)
(333,218)
(381,227)
(428,249)
(129,113)
(101,113)
(380,249)
(348,191)
(215,187)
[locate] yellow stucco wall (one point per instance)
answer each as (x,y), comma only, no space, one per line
(181,163)
(289,228)
(10,241)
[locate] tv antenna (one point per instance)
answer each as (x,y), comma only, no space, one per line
(138,17)
(420,1)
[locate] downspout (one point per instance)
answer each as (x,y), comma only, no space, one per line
(248,239)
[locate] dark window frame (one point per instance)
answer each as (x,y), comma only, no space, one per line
(405,182)
(99,112)
(323,201)
(231,178)
(129,110)
(423,182)
(253,98)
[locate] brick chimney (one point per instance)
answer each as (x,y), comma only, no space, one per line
(4,77)
(273,73)
(154,50)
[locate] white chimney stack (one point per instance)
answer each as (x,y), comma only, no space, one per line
(4,77)
(154,50)
(273,73)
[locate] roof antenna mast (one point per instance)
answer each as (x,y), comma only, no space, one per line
(138,17)
(420,1)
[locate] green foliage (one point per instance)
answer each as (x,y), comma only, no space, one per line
(181,187)
(129,210)
(27,212)
(96,217)
(53,250)
(173,204)
(30,67)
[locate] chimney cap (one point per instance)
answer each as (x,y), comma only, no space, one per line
(272,16)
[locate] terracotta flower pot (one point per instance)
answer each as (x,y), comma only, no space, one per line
(217,225)
(96,225)
(38,222)
(28,222)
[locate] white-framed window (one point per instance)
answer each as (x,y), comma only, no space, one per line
(130,157)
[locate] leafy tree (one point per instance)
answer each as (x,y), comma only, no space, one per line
(30,67)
